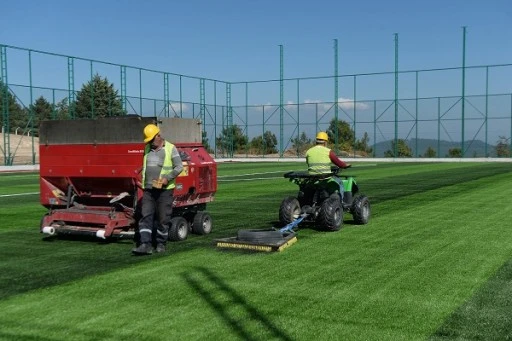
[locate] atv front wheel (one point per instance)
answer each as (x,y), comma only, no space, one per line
(289,210)
(361,210)
(330,216)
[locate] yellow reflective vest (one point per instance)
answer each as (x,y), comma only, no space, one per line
(318,159)
(166,168)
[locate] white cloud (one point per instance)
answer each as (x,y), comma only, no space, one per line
(347,103)
(174,108)
(344,103)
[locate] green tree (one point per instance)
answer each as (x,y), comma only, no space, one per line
(301,144)
(232,140)
(503,147)
(62,110)
(455,152)
(19,121)
(430,152)
(16,115)
(345,134)
(362,144)
(265,144)
(98,98)
(206,143)
(403,150)
(41,110)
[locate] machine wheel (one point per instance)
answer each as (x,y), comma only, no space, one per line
(361,210)
(330,216)
(289,210)
(178,230)
(202,223)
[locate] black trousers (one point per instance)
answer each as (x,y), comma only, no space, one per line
(156,215)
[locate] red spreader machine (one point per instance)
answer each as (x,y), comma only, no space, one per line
(90,173)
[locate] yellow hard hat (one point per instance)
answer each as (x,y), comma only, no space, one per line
(322,136)
(150,131)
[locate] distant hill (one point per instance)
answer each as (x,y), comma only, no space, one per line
(473,148)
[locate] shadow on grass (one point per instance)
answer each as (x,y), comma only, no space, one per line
(486,316)
(29,262)
(222,299)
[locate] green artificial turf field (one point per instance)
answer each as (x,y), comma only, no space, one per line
(435,262)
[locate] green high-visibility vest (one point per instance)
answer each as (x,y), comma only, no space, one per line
(166,168)
(318,159)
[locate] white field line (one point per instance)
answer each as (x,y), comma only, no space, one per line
(11,176)
(17,194)
(251,179)
(262,173)
(249,174)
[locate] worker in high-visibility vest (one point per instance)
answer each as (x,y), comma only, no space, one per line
(320,158)
(161,165)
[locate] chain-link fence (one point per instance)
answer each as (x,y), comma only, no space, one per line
(461,111)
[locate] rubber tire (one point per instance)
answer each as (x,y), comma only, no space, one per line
(260,236)
(361,210)
(330,215)
(178,231)
(202,223)
(289,210)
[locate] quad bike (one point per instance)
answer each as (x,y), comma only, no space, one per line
(323,198)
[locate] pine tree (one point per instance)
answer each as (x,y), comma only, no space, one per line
(41,110)
(14,111)
(97,98)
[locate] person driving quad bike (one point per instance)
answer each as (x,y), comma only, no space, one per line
(320,159)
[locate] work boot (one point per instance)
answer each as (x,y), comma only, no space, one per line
(143,249)
(160,248)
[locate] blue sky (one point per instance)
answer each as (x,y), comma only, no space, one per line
(238,40)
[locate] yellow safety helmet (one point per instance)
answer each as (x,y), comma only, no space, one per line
(150,131)
(322,136)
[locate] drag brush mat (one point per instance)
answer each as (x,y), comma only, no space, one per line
(258,240)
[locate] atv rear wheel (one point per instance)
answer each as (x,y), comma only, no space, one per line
(330,216)
(361,210)
(289,210)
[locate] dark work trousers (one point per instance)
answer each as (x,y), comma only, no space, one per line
(156,203)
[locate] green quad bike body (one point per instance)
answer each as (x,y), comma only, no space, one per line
(323,199)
